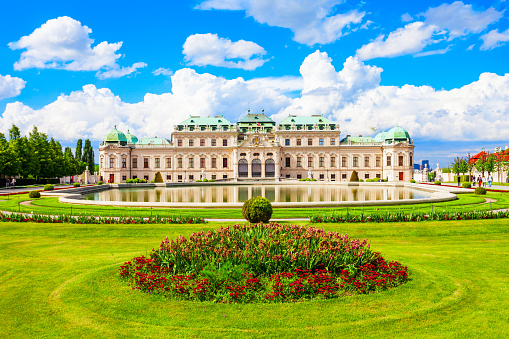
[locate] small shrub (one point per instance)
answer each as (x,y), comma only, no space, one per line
(466,185)
(438,182)
(49,187)
(257,209)
(354,176)
(211,180)
(34,194)
(480,191)
(99,183)
(412,181)
(152,181)
(205,180)
(361,180)
(376,179)
(199,180)
(76,184)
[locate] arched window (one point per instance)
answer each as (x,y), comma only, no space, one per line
(270,168)
(256,168)
(243,168)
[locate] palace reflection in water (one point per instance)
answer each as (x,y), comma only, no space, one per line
(275,193)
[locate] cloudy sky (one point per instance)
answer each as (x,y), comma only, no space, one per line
(438,69)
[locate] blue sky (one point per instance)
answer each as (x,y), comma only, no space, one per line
(438,69)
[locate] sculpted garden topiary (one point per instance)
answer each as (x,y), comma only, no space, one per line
(480,191)
(49,187)
(257,209)
(34,194)
(354,176)
(262,263)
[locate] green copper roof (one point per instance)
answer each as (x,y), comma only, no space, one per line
(306,120)
(205,121)
(397,133)
(358,140)
(256,118)
(115,136)
(131,139)
(153,141)
(380,137)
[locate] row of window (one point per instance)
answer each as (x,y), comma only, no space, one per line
(332,142)
(321,161)
(213,142)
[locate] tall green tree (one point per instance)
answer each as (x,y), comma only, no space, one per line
(69,163)
(491,163)
(41,157)
(88,156)
(9,163)
(78,155)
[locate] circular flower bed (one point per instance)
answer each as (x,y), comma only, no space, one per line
(262,263)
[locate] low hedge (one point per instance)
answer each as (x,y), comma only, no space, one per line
(49,187)
(480,191)
(466,185)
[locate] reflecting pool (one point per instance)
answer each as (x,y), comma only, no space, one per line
(275,193)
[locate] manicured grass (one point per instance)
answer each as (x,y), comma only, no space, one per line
(465,202)
(61,281)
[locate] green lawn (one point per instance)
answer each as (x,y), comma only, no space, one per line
(61,281)
(465,202)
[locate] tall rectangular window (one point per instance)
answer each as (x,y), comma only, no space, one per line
(320,141)
(225,142)
(366,161)
(299,142)
(355,161)
(310,162)
(400,160)
(411,161)
(287,142)
(321,161)
(158,162)
(310,142)
(202,162)
(299,164)
(343,161)
(191,142)
(202,142)
(214,163)
(112,163)
(168,162)
(225,162)
(145,162)
(287,162)
(388,160)
(179,162)
(377,164)
(332,161)
(135,162)
(333,141)
(213,142)
(124,162)
(191,162)
(179,142)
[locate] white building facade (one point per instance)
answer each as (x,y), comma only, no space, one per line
(256,148)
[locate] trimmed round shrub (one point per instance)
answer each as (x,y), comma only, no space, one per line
(76,184)
(257,209)
(376,179)
(361,180)
(49,187)
(466,185)
(412,181)
(438,182)
(152,181)
(34,194)
(480,191)
(99,183)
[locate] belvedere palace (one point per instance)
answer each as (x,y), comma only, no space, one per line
(257,148)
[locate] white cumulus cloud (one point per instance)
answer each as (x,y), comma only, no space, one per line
(64,43)
(311,21)
(209,49)
(494,39)
(460,19)
(120,72)
(163,71)
(406,40)
(10,86)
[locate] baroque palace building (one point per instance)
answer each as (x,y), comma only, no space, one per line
(256,148)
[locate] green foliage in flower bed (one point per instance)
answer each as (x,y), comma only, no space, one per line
(413,216)
(466,185)
(437,182)
(480,191)
(34,195)
(412,181)
(99,183)
(49,187)
(257,209)
(134,181)
(262,263)
(21,217)
(307,179)
(76,184)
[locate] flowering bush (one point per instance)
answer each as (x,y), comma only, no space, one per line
(262,263)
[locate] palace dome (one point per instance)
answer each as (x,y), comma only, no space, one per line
(115,136)
(131,139)
(396,133)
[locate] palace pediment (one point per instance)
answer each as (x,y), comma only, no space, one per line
(256,140)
